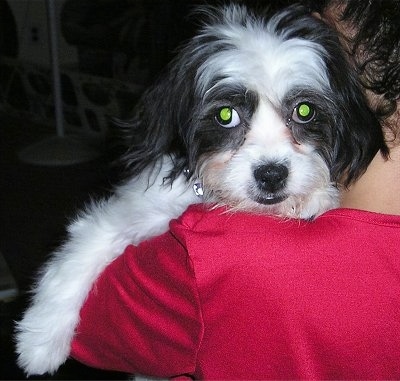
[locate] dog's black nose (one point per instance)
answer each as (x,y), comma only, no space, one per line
(271,177)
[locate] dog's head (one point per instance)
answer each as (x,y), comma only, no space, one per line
(266,112)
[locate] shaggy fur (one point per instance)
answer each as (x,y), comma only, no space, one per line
(258,114)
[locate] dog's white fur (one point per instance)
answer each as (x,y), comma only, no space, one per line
(138,210)
(263,62)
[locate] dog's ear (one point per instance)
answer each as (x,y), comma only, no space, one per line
(356,132)
(358,135)
(160,115)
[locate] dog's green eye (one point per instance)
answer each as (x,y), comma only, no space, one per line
(227,117)
(303,113)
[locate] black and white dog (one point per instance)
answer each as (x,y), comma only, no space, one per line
(262,115)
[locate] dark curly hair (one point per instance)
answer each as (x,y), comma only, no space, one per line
(375,46)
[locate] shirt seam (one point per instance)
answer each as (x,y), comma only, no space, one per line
(368,218)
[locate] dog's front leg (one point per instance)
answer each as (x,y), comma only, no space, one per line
(138,210)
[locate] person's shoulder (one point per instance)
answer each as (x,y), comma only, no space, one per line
(206,217)
(361,217)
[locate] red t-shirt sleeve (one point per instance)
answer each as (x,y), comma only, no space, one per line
(143,314)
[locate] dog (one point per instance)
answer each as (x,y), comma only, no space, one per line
(258,113)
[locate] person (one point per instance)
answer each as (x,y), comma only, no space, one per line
(236,295)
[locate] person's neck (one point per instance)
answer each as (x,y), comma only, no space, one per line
(378,189)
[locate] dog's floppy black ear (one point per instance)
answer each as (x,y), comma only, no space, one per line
(160,114)
(358,133)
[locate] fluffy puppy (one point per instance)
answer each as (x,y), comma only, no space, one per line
(260,114)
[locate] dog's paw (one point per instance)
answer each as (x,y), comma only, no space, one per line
(43,344)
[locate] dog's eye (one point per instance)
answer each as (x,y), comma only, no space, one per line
(303,113)
(227,117)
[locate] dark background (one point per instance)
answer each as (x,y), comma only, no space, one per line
(36,202)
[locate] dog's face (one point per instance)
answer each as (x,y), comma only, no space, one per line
(266,114)
(264,132)
(273,162)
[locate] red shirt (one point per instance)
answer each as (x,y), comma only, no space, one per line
(229,296)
